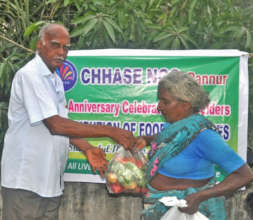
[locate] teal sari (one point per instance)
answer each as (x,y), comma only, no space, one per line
(213,208)
(168,143)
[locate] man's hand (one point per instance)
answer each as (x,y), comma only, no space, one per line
(123,137)
(97,160)
(95,156)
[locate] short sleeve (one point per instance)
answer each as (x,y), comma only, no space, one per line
(212,147)
(38,102)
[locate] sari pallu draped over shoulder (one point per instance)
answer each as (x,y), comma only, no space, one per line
(169,142)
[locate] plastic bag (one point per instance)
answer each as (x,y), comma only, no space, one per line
(173,213)
(126,173)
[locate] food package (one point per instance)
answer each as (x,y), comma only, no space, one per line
(126,173)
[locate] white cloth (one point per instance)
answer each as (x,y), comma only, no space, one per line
(32,158)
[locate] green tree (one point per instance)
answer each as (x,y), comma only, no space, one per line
(150,24)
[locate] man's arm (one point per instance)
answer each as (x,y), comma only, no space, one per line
(62,126)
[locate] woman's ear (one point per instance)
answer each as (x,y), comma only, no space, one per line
(188,106)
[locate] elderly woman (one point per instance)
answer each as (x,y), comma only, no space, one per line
(183,154)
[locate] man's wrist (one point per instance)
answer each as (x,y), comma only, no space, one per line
(87,148)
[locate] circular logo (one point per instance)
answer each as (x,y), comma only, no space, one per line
(68,75)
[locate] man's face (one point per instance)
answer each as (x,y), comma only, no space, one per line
(53,48)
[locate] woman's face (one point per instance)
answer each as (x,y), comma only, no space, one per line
(172,108)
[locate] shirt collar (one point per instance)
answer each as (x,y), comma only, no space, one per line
(43,67)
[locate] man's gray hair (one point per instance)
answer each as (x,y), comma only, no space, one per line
(184,87)
(45,28)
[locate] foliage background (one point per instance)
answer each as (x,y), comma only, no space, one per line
(149,24)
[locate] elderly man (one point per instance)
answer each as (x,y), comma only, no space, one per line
(36,142)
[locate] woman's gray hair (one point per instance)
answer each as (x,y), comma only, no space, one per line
(184,87)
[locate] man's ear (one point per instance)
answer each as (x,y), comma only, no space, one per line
(39,44)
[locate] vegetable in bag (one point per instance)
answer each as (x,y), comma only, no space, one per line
(126,173)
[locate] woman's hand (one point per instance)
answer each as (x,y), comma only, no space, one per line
(140,142)
(193,202)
